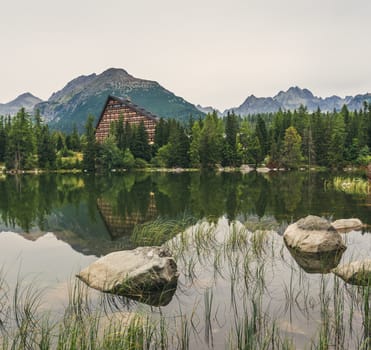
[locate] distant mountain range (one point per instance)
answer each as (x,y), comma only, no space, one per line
(293,98)
(27,100)
(86,95)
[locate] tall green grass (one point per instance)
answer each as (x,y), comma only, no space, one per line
(351,185)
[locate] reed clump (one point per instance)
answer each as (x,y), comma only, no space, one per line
(351,185)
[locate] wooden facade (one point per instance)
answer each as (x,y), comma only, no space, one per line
(115,108)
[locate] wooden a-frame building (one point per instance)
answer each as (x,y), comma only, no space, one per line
(115,108)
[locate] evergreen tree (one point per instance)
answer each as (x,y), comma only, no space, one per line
(90,147)
(120,134)
(21,145)
(141,147)
(308,143)
(194,148)
(179,147)
(128,136)
(230,156)
(60,141)
(46,149)
(320,132)
(243,140)
(254,150)
(337,142)
(291,155)
(368,125)
(211,140)
(3,138)
(161,133)
(300,120)
(75,143)
(262,134)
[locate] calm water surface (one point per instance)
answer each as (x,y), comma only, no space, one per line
(51,226)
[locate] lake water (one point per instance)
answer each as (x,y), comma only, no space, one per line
(235,268)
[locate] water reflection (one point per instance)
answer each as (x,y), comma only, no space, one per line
(97,215)
(317,263)
(161,297)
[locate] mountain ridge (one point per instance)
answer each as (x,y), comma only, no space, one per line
(293,98)
(87,94)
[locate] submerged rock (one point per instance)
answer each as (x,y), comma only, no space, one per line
(313,235)
(356,272)
(346,225)
(136,273)
(317,262)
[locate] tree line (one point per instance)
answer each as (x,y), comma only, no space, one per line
(286,139)
(26,142)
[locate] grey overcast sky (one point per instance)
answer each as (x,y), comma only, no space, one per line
(210,52)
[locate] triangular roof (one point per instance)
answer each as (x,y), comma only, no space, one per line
(130,105)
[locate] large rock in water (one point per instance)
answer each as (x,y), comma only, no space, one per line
(313,235)
(133,273)
(356,272)
(346,225)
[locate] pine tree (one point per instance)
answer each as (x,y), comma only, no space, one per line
(211,140)
(46,149)
(337,142)
(3,137)
(291,155)
(230,157)
(140,146)
(120,134)
(21,145)
(129,135)
(75,143)
(161,133)
(254,150)
(194,148)
(320,133)
(90,147)
(262,134)
(178,147)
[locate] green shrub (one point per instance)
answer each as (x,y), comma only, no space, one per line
(128,160)
(140,163)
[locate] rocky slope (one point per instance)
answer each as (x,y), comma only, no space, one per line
(87,94)
(26,100)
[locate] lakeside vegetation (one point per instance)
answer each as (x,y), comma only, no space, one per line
(355,185)
(284,139)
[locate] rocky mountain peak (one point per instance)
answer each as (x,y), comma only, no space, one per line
(26,95)
(26,100)
(114,72)
(86,95)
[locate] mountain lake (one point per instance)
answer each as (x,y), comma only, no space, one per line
(239,286)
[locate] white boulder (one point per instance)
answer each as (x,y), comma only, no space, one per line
(346,225)
(313,235)
(132,272)
(356,272)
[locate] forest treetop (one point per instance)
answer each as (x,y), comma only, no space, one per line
(284,139)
